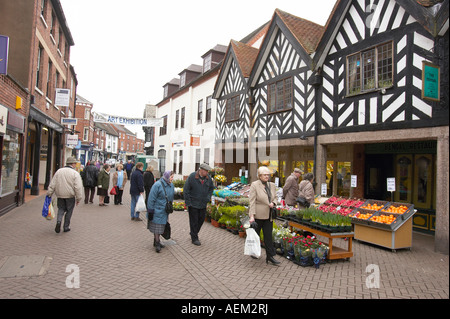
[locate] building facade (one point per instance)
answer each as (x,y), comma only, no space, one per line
(39,62)
(346,100)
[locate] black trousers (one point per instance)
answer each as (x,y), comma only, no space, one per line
(118,197)
(267,227)
(196,219)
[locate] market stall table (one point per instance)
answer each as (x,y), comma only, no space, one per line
(334,252)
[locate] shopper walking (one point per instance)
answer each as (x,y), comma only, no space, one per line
(306,189)
(89,176)
(290,189)
(160,193)
(197,194)
(119,181)
(68,187)
(262,198)
(136,189)
(128,168)
(149,180)
(103,184)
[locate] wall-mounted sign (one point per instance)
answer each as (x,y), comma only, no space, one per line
(69,121)
(431,81)
(4,46)
(62,97)
(195,141)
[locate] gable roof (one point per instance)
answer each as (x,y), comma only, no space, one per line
(303,34)
(307,33)
(244,55)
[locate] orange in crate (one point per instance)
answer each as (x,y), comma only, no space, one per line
(385,219)
(396,209)
(362,216)
(372,206)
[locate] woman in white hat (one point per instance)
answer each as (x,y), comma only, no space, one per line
(262,199)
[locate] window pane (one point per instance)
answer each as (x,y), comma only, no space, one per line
(385,65)
(369,70)
(288,93)
(280,94)
(354,75)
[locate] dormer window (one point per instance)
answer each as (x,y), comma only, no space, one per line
(207,63)
(166,91)
(182,79)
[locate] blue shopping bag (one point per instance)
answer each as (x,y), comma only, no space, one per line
(47,203)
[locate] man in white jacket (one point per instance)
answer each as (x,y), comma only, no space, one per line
(68,187)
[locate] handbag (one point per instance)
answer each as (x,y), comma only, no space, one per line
(252,243)
(106,200)
(113,191)
(169,205)
(302,201)
(167,231)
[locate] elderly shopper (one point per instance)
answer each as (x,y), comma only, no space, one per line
(68,187)
(156,207)
(89,176)
(290,189)
(136,189)
(149,180)
(306,188)
(262,199)
(103,184)
(197,193)
(119,180)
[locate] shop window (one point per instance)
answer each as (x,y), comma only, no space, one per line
(10,163)
(343,176)
(404,178)
(330,177)
(422,180)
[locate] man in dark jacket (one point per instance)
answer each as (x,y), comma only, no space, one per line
(197,194)
(89,176)
(136,189)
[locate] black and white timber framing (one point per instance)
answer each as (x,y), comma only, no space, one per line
(354,25)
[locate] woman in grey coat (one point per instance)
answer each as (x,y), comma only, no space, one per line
(156,207)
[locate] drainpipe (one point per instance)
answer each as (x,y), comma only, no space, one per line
(316,82)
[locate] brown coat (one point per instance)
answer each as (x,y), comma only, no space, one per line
(290,190)
(306,190)
(116,177)
(259,201)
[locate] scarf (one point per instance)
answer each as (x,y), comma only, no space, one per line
(119,179)
(166,176)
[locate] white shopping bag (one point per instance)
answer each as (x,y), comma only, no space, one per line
(252,244)
(140,205)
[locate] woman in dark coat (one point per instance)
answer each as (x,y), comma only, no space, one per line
(149,180)
(103,184)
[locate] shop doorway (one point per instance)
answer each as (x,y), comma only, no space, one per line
(378,168)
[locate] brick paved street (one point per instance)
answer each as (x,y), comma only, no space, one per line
(116,259)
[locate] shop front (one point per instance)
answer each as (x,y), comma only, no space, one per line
(11,151)
(44,149)
(413,165)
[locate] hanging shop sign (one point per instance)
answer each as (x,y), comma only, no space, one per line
(431,81)
(122,120)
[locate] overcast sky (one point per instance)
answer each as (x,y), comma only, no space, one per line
(125,51)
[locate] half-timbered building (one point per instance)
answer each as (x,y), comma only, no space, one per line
(353,99)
